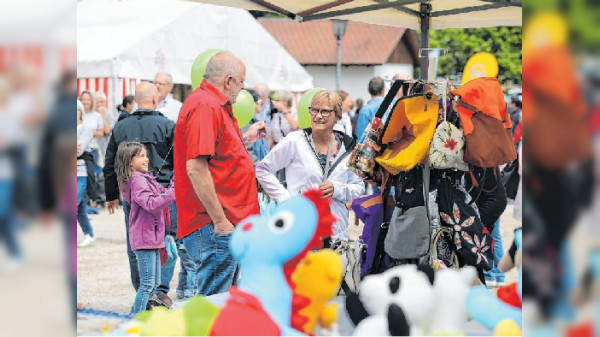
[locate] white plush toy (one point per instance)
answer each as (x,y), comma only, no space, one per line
(450,311)
(400,297)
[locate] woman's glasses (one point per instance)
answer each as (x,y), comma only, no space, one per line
(324,112)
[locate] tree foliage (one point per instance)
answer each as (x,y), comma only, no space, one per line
(502,42)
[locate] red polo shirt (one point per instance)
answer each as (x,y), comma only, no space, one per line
(206,126)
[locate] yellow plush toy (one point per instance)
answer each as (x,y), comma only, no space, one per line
(317,279)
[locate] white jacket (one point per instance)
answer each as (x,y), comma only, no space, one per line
(303,172)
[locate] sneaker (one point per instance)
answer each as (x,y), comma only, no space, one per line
(179,294)
(87,239)
(491,283)
(165,299)
(499,283)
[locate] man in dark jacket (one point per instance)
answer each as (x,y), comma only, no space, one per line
(156,132)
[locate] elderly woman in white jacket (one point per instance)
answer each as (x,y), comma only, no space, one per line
(315,157)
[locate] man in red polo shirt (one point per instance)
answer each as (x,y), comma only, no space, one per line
(216,186)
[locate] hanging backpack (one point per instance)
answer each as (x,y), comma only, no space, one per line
(447,148)
(409,132)
(486,123)
(370,211)
(362,160)
(471,241)
(409,234)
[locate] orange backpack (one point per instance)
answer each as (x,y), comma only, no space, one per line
(485,121)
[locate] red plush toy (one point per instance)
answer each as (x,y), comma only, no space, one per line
(509,295)
(243,315)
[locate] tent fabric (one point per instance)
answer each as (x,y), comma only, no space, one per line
(138,38)
(445,13)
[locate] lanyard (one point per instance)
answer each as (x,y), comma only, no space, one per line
(326,171)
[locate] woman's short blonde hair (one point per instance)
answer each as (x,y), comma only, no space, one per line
(330,97)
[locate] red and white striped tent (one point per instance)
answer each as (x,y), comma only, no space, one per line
(120,43)
(114,88)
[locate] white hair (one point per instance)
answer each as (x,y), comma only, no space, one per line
(166,74)
(100,94)
(219,66)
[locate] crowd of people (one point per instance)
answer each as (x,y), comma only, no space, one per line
(187,170)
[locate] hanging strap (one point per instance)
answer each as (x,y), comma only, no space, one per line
(167,213)
(388,98)
(379,259)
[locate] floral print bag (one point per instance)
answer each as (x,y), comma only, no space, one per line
(471,241)
(447,148)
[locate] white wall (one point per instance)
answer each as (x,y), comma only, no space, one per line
(388,70)
(355,79)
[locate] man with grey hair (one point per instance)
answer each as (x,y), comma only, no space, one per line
(214,174)
(168,105)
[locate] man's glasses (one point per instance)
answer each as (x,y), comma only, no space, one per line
(324,112)
(161,83)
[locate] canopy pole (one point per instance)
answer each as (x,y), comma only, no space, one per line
(425,11)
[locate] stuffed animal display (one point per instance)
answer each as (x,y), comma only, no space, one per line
(317,279)
(268,249)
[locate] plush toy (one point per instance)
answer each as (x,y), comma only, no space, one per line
(450,311)
(397,302)
(509,294)
(192,319)
(265,246)
(317,279)
(489,310)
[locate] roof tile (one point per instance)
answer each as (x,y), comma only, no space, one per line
(313,42)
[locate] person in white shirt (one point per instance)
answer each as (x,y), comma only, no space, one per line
(313,158)
(167,105)
(85,134)
(344,124)
(284,120)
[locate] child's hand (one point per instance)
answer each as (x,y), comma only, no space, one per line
(172,184)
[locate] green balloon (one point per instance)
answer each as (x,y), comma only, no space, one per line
(243,109)
(303,104)
(199,66)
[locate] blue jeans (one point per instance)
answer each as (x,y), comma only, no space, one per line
(495,273)
(133,267)
(82,216)
(166,274)
(215,267)
(7,223)
(188,283)
(148,262)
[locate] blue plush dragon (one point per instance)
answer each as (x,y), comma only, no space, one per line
(269,248)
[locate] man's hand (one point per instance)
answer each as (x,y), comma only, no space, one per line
(255,132)
(224,227)
(78,148)
(327,189)
(112,205)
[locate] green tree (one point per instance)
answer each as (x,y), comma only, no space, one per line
(502,42)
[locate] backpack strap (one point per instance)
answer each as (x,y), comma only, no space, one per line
(378,261)
(389,98)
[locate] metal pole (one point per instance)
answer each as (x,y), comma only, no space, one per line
(425,17)
(338,64)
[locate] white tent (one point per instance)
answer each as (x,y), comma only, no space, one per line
(121,42)
(414,14)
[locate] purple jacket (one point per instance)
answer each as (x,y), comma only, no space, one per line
(148,200)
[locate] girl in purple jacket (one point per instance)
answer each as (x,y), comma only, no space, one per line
(148,200)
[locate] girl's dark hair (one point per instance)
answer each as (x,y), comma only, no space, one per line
(125,153)
(127,100)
